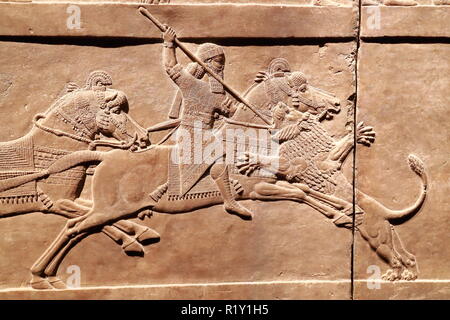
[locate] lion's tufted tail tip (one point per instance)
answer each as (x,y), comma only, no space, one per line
(418,167)
(416,164)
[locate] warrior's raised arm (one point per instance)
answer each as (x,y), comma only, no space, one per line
(169,55)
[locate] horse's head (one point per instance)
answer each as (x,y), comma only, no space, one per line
(87,114)
(112,120)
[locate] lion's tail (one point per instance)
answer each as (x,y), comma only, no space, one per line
(66,162)
(418,167)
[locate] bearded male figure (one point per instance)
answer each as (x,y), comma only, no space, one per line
(201,101)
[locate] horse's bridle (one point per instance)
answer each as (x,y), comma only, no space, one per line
(93,144)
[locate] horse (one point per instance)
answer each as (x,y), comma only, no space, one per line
(129,184)
(75,121)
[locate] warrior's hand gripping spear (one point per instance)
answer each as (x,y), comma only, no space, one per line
(194,58)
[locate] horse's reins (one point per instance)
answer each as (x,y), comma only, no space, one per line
(92,143)
(57,132)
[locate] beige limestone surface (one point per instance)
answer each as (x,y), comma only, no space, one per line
(392,68)
(244,21)
(283,243)
(404,92)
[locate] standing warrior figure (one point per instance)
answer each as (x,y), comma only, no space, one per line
(201,100)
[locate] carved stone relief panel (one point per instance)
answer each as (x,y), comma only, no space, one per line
(405,172)
(206,245)
(158,150)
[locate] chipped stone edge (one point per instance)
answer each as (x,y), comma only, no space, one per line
(25,19)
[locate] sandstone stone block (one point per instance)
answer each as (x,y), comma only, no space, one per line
(403,94)
(210,149)
(282,248)
(243,21)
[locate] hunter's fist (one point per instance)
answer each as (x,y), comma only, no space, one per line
(169,35)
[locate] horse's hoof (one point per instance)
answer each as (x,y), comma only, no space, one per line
(133,248)
(40,283)
(57,283)
(148,236)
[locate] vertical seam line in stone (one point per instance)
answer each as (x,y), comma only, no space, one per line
(358,43)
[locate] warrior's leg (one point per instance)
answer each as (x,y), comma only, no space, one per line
(219,172)
(343,206)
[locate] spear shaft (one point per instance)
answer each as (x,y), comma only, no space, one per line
(194,58)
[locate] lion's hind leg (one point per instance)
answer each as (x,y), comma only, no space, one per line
(407,259)
(387,253)
(379,237)
(282,190)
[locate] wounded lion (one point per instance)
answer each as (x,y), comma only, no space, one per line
(309,164)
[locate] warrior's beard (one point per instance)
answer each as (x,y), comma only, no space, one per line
(214,85)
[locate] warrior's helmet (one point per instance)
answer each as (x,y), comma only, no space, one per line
(205,52)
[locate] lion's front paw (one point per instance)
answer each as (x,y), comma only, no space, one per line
(365,135)
(247,163)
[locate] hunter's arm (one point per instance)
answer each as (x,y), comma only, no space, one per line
(169,55)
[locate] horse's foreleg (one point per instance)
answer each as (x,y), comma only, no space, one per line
(44,260)
(52,269)
(46,268)
(71,234)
